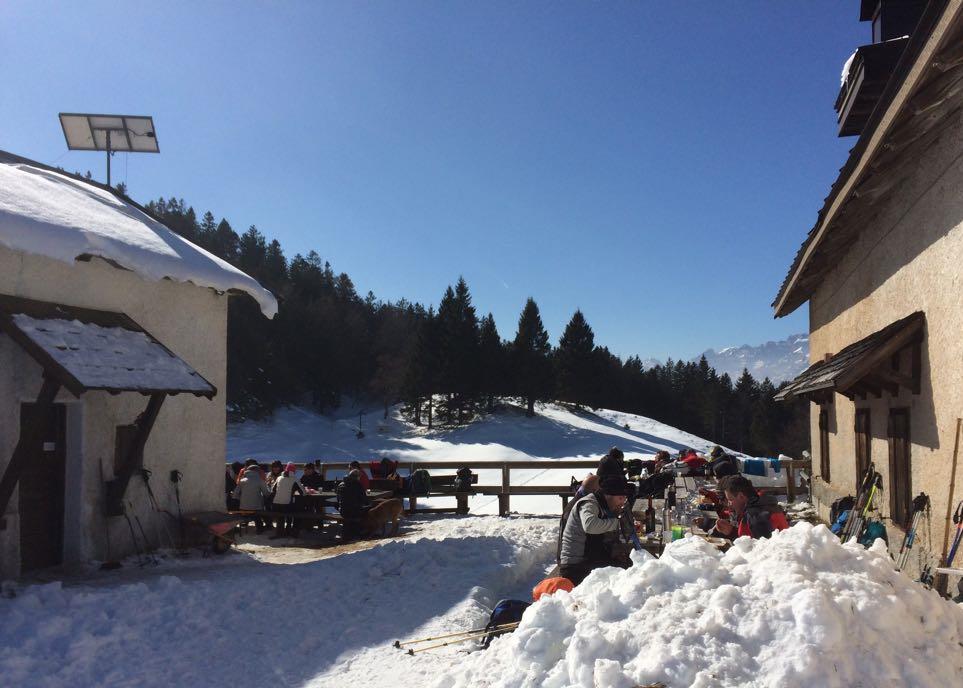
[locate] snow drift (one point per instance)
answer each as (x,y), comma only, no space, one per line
(797,610)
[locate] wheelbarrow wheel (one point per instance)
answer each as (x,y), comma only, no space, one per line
(220,545)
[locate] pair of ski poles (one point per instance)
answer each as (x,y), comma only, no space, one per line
(854,525)
(920,504)
(958,520)
(454,638)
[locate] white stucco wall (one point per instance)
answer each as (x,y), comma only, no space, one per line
(189,434)
(909,257)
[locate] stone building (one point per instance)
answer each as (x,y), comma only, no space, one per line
(112,359)
(882,271)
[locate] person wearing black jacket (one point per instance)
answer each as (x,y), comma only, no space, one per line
(311,478)
(352,503)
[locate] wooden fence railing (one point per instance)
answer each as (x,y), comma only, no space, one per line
(504,491)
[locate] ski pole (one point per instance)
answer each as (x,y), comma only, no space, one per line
(133,538)
(459,640)
(920,504)
(958,520)
(151,559)
(474,631)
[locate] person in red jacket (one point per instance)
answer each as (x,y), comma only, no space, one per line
(755,516)
(362,476)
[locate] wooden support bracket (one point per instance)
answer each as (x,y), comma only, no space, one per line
(134,461)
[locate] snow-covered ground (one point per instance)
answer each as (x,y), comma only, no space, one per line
(556,432)
(797,610)
(240,622)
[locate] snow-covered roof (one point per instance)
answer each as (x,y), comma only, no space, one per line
(56,215)
(86,349)
(112,358)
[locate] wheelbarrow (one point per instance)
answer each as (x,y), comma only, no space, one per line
(218,525)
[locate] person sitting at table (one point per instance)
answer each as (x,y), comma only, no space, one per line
(591,533)
(251,492)
(311,478)
(352,503)
(362,476)
(755,515)
(282,494)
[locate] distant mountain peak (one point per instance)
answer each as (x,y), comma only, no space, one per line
(779,361)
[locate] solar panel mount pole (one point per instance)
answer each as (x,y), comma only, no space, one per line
(108,158)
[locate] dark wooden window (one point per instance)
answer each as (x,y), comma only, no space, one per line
(900,487)
(863,443)
(824,444)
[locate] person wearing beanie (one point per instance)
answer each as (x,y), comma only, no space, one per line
(285,487)
(613,463)
(593,528)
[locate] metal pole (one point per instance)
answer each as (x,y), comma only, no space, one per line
(108,157)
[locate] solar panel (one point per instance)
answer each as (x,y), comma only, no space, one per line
(124,133)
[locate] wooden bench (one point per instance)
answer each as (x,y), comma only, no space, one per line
(442,486)
(302,516)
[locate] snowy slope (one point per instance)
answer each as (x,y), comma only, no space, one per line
(779,361)
(554,433)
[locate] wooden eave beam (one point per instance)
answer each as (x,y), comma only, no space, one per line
(134,461)
(27,439)
(895,379)
(897,342)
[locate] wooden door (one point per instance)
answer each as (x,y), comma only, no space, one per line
(900,483)
(42,489)
(824,466)
(863,443)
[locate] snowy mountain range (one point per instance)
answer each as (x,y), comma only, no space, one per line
(782,360)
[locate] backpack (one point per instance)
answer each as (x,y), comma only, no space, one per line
(463,480)
(420,484)
(505,612)
(839,506)
(873,530)
(634,466)
(839,524)
(724,465)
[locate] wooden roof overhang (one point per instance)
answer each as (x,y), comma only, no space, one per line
(864,367)
(869,73)
(920,99)
(84,350)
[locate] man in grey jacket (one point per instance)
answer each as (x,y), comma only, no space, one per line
(592,528)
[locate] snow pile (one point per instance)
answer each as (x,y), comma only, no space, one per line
(59,217)
(797,610)
(235,622)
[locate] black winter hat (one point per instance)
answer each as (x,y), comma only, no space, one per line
(615,484)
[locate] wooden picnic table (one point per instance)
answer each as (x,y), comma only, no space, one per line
(330,495)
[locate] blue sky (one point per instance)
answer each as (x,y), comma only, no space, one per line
(655,164)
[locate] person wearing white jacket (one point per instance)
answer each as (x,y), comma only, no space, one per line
(251,492)
(285,487)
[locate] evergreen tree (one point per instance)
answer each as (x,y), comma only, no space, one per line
(421,376)
(530,357)
(252,252)
(491,361)
(225,242)
(574,361)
